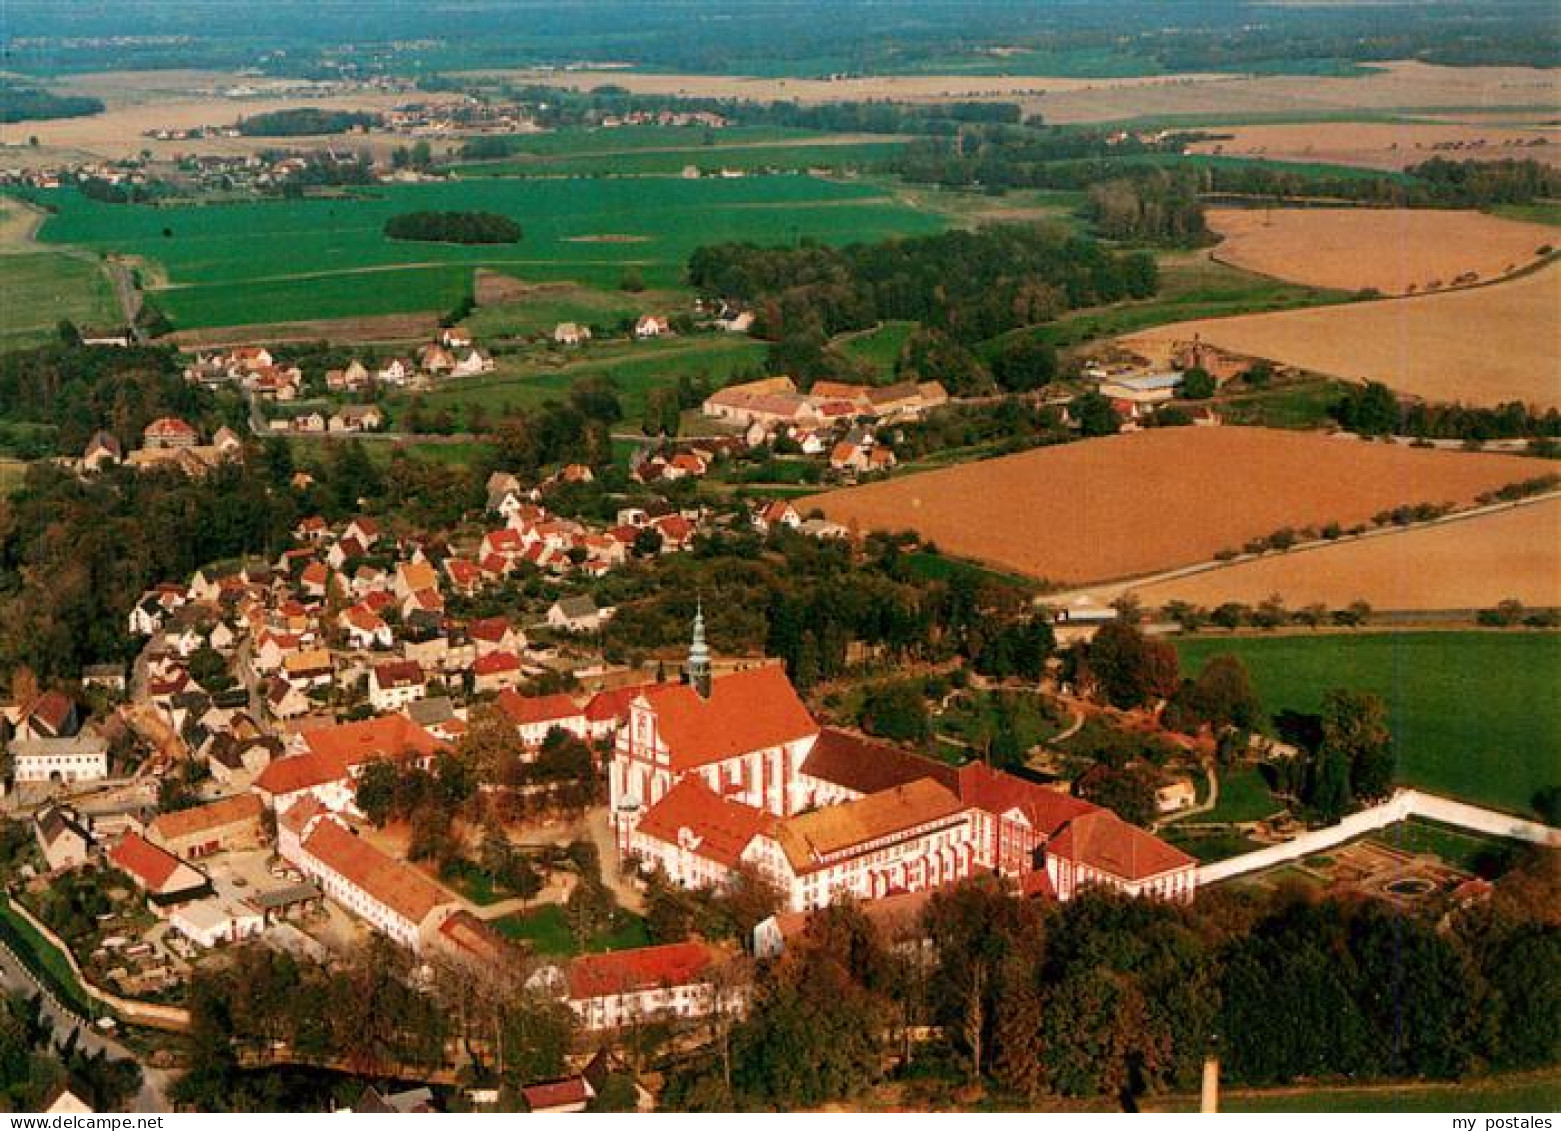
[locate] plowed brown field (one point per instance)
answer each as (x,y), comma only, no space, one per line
(1137,504)
(1385,145)
(1469,564)
(1392,250)
(1479,345)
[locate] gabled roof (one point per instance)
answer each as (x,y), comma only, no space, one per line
(1105,842)
(205,818)
(995,792)
(523,710)
(157,871)
(646,968)
(692,815)
(809,838)
(496,662)
(746,711)
(398,886)
(490,629)
(557,1093)
(865,766)
(398,673)
(613,704)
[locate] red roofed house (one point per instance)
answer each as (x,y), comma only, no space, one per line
(222,826)
(394,897)
(495,671)
(1101,848)
(535,715)
(169,432)
(165,878)
(394,684)
(336,755)
(609,991)
(558,1097)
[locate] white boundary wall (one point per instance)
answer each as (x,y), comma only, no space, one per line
(1402,805)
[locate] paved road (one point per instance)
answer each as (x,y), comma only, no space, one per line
(153,1096)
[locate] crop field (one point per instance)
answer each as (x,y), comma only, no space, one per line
(1473,563)
(1392,251)
(1475,715)
(1138,503)
(279,261)
(826,152)
(1384,145)
(39,288)
(1479,345)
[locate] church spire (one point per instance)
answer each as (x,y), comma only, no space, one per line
(699,656)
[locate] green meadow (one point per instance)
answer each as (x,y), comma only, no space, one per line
(708,159)
(1474,715)
(38,289)
(289,260)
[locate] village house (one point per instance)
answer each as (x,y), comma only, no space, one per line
(571,334)
(356,418)
(230,825)
(676,981)
(78,758)
(169,432)
(495,671)
(651,326)
(534,716)
(394,684)
(64,837)
(166,880)
(334,756)
(575,614)
(103,450)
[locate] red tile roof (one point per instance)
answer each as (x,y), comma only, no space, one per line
(399,673)
(715,828)
(647,968)
(148,865)
(398,886)
(747,710)
(297,818)
(810,839)
(495,662)
(613,704)
(557,1094)
(206,818)
(995,792)
(864,765)
(168,427)
(491,629)
(1105,842)
(528,709)
(387,736)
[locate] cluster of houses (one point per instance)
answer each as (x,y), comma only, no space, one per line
(257,370)
(833,418)
(168,441)
(646,326)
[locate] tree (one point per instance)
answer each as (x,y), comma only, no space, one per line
(1025,362)
(1197,384)
(375,795)
(896,710)
(1131,669)
(1095,415)
(1355,728)
(1129,792)
(1222,696)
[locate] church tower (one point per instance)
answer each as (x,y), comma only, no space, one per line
(699,657)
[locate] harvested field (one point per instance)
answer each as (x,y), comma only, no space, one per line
(1389,146)
(1481,345)
(1395,86)
(1140,503)
(372,328)
(1472,563)
(1390,250)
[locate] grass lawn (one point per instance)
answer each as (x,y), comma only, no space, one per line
(1190,287)
(1471,852)
(1475,715)
(12,472)
(37,952)
(38,289)
(972,717)
(1298,405)
(1539,212)
(545,307)
(878,348)
(1244,796)
(1209,847)
(707,159)
(931,566)
(634,369)
(287,260)
(1529,1092)
(547,931)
